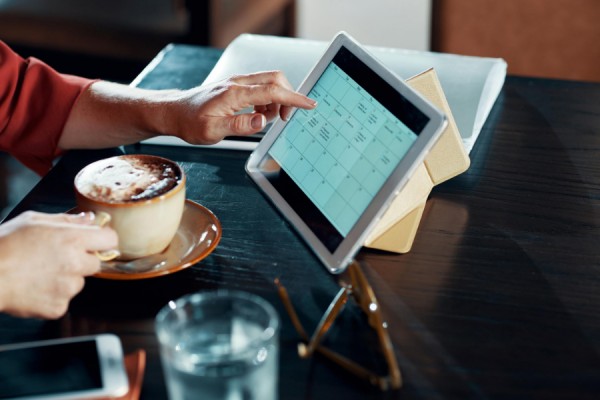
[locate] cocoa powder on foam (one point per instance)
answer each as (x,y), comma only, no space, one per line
(128,178)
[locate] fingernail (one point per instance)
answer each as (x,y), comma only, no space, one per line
(258,121)
(85,215)
(311,102)
(101,218)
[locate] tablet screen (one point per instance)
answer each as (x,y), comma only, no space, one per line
(329,163)
(333,171)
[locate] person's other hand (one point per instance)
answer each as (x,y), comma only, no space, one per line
(207,114)
(44,259)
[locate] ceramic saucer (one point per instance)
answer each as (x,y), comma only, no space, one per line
(197,236)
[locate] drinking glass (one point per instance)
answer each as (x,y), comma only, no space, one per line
(219,345)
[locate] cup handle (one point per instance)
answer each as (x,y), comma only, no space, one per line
(101,219)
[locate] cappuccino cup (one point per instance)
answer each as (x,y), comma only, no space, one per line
(144,196)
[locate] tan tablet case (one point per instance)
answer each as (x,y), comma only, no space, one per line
(448,158)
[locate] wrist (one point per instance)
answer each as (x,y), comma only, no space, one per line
(143,112)
(158,113)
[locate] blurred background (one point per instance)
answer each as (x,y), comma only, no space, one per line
(116,39)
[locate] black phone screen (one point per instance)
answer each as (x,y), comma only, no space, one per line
(49,369)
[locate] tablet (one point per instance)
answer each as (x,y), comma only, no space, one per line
(334,170)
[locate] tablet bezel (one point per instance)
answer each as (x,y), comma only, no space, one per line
(337,261)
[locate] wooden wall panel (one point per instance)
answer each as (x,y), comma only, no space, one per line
(546,38)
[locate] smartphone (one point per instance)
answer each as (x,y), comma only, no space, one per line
(69,368)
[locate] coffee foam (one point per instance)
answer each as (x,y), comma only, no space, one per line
(127,178)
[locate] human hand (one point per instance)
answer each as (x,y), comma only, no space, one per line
(109,114)
(207,114)
(44,259)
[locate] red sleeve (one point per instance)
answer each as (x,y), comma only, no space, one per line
(35,102)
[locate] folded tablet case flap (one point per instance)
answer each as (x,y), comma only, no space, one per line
(446,159)
(400,236)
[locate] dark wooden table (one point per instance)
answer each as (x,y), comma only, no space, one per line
(498,298)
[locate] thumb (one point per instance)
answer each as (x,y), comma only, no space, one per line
(245,124)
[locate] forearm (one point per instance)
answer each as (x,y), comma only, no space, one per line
(109,114)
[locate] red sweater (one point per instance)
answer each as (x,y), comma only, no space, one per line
(35,102)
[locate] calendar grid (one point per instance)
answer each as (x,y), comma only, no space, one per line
(341,153)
